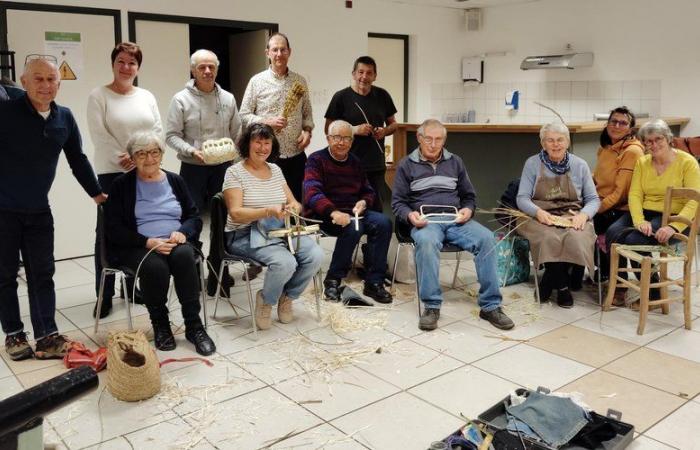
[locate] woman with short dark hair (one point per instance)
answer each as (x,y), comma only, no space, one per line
(115,112)
(258,199)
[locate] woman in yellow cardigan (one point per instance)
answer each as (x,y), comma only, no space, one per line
(663,166)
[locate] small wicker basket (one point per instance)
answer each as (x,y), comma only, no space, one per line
(125,380)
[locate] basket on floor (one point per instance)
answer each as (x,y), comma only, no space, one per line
(133,370)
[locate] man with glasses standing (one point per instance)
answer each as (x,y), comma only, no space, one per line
(371,112)
(430,175)
(337,191)
(264,101)
(202,111)
(33,130)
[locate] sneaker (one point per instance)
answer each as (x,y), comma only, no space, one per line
(163,338)
(203,344)
(17,347)
(564,298)
(54,346)
(497,318)
(331,289)
(284,309)
(429,319)
(377,292)
(263,312)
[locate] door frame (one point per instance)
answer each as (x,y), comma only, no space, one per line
(191,20)
(4,6)
(404,38)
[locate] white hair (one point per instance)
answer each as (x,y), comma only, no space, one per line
(431,123)
(554,127)
(143,139)
(201,54)
(337,125)
(656,126)
(31,62)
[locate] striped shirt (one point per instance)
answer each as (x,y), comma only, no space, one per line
(257,193)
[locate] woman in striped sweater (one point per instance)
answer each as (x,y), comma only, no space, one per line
(257,198)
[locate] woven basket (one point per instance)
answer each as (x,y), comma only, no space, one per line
(126,382)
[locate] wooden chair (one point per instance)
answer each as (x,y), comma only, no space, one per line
(646,261)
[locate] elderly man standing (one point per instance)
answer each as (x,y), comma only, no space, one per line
(430,175)
(198,113)
(368,109)
(336,190)
(33,130)
(264,101)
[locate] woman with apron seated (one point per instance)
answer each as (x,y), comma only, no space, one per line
(557,183)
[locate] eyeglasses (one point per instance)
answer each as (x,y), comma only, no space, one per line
(142,154)
(560,140)
(337,139)
(654,141)
(430,140)
(618,123)
(33,56)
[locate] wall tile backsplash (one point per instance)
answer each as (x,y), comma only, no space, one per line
(576,101)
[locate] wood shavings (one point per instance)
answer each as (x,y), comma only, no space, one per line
(515,296)
(683,395)
(505,338)
(614,394)
(306,402)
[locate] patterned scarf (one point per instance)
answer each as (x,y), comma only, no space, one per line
(559,168)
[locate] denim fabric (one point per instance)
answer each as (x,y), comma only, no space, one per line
(555,420)
(471,237)
(286,273)
(33,236)
(377,227)
(518,426)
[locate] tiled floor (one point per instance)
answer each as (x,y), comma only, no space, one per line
(368,378)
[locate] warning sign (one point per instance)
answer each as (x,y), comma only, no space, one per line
(66,72)
(67,47)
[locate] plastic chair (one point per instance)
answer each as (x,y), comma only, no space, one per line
(219,213)
(646,261)
(402,230)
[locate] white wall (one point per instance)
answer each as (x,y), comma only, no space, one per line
(642,40)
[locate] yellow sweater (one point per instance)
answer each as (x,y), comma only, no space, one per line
(648,189)
(613,172)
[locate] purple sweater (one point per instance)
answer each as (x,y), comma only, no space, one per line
(331,185)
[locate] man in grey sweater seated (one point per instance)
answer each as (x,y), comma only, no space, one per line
(430,175)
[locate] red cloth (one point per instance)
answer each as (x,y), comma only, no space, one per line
(78,355)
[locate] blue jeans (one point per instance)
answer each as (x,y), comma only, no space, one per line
(32,235)
(377,227)
(471,237)
(286,273)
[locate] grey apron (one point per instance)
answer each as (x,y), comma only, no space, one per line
(557,196)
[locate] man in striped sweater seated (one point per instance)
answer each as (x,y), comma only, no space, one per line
(336,189)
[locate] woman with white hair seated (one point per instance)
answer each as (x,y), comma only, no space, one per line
(661,167)
(557,183)
(150,220)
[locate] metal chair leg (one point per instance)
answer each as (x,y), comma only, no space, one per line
(100,296)
(251,304)
(454,277)
(317,295)
(203,292)
(396,263)
(218,294)
(127,299)
(415,265)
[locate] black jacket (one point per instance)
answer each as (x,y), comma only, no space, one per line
(120,219)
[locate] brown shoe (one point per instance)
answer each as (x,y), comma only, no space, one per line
(619,296)
(263,312)
(17,347)
(284,309)
(54,346)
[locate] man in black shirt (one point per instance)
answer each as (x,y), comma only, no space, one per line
(370,110)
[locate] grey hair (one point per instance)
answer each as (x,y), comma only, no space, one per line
(31,62)
(200,54)
(554,127)
(337,124)
(656,126)
(431,123)
(142,139)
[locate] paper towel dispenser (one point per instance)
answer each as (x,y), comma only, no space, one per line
(567,61)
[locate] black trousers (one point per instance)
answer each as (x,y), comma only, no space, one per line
(293,171)
(33,236)
(106,180)
(203,182)
(601,223)
(154,279)
(378,182)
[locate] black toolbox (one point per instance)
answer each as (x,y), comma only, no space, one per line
(494,419)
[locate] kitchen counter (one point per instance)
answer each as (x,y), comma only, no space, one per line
(494,154)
